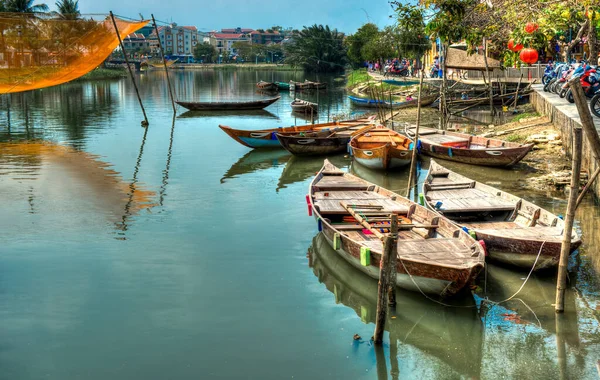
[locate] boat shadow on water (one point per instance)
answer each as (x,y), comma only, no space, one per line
(301,168)
(241,113)
(453,336)
(255,160)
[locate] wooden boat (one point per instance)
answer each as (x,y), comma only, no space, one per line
(283,86)
(299,105)
(227,106)
(513,229)
(462,147)
(372,103)
(381,148)
(267,86)
(434,255)
(319,143)
(318,85)
(301,86)
(266,138)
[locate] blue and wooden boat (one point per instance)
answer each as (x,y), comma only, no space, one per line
(267,138)
(373,103)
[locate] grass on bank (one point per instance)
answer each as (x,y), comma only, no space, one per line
(101,73)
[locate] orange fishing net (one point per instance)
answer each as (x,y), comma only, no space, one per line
(42,50)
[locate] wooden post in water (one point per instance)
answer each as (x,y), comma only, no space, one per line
(390,250)
(413,163)
(561,283)
(145,122)
(393,263)
(162,56)
(391,111)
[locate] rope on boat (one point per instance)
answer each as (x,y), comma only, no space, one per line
(486,299)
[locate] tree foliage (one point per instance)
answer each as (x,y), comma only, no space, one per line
(358,40)
(317,48)
(24,6)
(68,9)
(205,52)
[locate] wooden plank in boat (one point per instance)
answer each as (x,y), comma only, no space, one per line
(432,250)
(526,232)
(338,182)
(441,139)
(348,194)
(333,206)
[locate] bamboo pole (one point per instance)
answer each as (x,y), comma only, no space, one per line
(561,283)
(490,79)
(162,56)
(390,250)
(391,111)
(413,161)
(517,93)
(587,187)
(393,263)
(145,121)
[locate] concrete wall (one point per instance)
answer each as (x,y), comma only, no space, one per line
(565,117)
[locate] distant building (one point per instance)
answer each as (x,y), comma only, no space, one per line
(178,39)
(137,42)
(223,42)
(267,37)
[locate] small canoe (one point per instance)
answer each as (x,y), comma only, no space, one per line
(468,149)
(372,103)
(319,143)
(283,86)
(515,231)
(267,86)
(434,255)
(381,148)
(299,105)
(228,106)
(266,138)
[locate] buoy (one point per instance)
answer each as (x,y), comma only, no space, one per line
(482,243)
(465,229)
(309,210)
(438,205)
(365,256)
(320,225)
(307,199)
(473,234)
(450,152)
(336,241)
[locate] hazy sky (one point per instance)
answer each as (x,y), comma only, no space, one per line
(207,15)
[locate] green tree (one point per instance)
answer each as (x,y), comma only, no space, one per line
(358,40)
(205,52)
(68,9)
(317,48)
(25,6)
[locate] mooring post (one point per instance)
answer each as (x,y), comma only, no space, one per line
(162,56)
(561,283)
(145,122)
(389,250)
(413,161)
(393,262)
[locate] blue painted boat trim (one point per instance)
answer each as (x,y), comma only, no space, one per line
(261,143)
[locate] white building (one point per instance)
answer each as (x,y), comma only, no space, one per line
(179,39)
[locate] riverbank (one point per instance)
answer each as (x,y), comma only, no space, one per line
(102,73)
(235,66)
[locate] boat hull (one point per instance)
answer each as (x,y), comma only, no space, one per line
(523,253)
(484,157)
(307,146)
(445,284)
(383,158)
(227,106)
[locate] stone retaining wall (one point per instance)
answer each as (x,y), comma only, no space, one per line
(565,117)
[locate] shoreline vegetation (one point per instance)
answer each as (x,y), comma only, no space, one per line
(102,73)
(236,66)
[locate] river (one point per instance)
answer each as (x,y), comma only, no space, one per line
(175,252)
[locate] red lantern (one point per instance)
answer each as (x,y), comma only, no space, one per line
(531,27)
(512,47)
(529,56)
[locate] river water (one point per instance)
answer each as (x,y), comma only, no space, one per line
(174,252)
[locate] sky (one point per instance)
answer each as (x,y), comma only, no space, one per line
(208,15)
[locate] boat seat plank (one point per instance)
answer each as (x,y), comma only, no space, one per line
(333,206)
(348,195)
(339,182)
(470,199)
(541,233)
(433,250)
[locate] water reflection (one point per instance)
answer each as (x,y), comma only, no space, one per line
(443,340)
(62,182)
(255,160)
(298,169)
(241,113)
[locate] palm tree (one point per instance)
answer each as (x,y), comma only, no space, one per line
(25,6)
(317,48)
(68,9)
